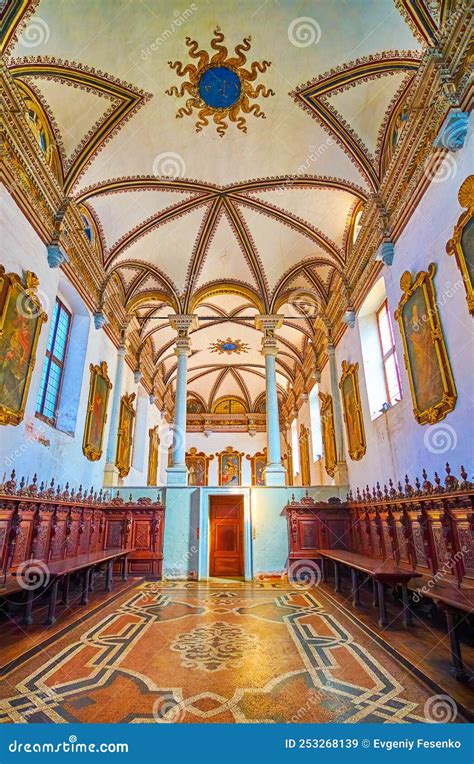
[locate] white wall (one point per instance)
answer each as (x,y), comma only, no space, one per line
(396,443)
(33,445)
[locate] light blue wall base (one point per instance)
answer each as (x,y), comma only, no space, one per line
(186,536)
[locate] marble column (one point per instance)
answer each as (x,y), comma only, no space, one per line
(177,474)
(340,471)
(110,470)
(275,473)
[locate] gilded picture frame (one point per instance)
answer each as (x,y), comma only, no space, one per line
(328,433)
(123,457)
(352,410)
(461,245)
(21,320)
(197,463)
(429,372)
(230,467)
(258,463)
(153,455)
(305,461)
(96,416)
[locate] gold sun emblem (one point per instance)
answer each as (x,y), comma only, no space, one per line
(219,86)
(228,346)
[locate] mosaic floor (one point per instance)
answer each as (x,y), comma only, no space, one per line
(188,652)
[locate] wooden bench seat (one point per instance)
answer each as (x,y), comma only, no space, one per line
(455,602)
(59,572)
(381,572)
(448,595)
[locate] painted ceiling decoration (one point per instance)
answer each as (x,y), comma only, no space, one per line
(229,346)
(220,86)
(178,219)
(123,101)
(314,97)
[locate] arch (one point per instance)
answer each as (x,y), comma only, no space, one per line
(225,287)
(303,295)
(153,294)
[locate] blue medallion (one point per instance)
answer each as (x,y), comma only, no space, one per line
(219,87)
(229,346)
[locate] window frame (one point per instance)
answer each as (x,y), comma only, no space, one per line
(49,358)
(392,352)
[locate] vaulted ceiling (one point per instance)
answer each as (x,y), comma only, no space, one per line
(226,212)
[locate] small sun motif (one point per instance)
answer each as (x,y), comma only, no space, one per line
(228,346)
(219,86)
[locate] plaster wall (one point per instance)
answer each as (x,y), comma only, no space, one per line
(396,443)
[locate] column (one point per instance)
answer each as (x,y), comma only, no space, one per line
(275,473)
(110,470)
(340,471)
(183,324)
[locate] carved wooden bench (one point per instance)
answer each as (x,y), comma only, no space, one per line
(59,572)
(382,572)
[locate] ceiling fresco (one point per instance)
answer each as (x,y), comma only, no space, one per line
(221,154)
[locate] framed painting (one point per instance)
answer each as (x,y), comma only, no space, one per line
(304,456)
(96,417)
(230,467)
(426,359)
(462,243)
(21,320)
(197,463)
(153,454)
(328,433)
(258,462)
(123,456)
(349,386)
(288,462)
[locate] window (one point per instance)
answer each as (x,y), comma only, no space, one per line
(381,372)
(315,417)
(389,356)
(295,447)
(53,368)
(229,406)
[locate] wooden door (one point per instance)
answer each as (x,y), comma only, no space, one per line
(227,536)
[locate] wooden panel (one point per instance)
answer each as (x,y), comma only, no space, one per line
(226,547)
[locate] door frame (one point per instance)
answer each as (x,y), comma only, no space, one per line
(205,529)
(240,501)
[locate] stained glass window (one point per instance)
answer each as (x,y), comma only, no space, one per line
(53,368)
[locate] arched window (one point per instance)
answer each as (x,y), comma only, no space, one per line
(229,406)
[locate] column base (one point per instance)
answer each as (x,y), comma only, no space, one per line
(111,475)
(177,475)
(275,474)
(341,474)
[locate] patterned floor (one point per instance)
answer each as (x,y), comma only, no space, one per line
(189,652)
